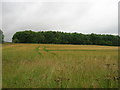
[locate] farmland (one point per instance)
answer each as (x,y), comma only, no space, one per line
(59,66)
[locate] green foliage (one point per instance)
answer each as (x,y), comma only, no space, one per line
(52,37)
(15,41)
(1,36)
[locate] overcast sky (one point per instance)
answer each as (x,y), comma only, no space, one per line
(82,16)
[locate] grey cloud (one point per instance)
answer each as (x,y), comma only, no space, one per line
(83,17)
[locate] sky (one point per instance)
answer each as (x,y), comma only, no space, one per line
(82,16)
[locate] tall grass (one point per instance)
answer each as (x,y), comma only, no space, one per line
(59,66)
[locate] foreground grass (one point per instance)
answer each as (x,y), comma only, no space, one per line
(59,66)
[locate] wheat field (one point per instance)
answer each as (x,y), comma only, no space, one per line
(59,66)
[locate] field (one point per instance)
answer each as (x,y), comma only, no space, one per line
(59,66)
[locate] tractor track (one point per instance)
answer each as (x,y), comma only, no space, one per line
(45,50)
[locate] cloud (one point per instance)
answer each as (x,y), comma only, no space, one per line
(86,16)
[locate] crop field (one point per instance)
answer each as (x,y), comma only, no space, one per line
(59,66)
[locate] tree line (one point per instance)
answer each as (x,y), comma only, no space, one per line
(56,37)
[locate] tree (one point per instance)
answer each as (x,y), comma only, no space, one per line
(1,36)
(16,40)
(39,38)
(24,37)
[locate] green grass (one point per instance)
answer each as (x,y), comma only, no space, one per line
(59,66)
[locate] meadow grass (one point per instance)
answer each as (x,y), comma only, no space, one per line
(59,66)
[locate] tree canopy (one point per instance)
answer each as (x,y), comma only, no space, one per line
(55,37)
(1,36)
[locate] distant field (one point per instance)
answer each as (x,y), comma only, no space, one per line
(59,66)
